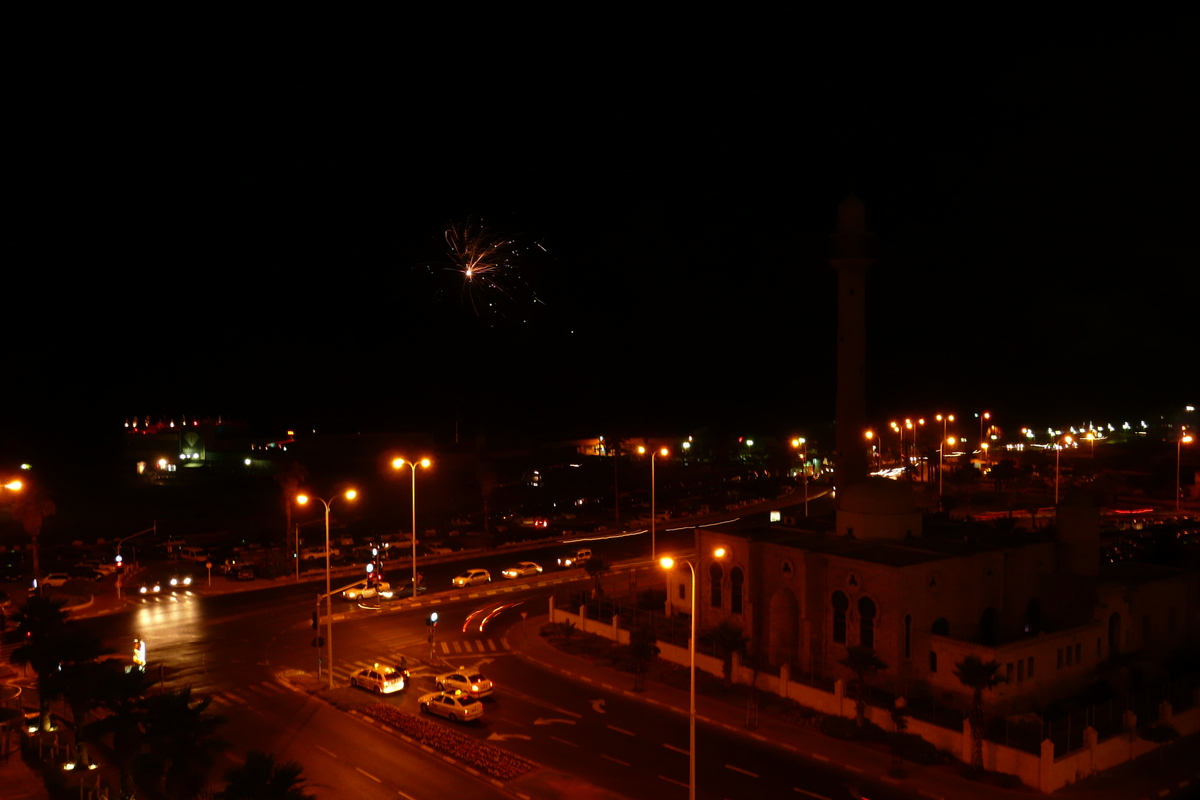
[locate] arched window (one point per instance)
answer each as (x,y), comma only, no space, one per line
(736,579)
(941,627)
(932,661)
(841,604)
(716,574)
(866,628)
(908,635)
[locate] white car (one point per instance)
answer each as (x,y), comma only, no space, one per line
(380,679)
(524,569)
(469,682)
(55,579)
(472,577)
(453,707)
(366,592)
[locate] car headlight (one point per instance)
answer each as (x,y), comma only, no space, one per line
(142,590)
(174,581)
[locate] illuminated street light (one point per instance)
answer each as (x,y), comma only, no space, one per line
(1057,454)
(412,465)
(663,452)
(668,563)
(802,443)
(302,499)
(1184,438)
(942,447)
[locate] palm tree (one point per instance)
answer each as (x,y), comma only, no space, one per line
(42,624)
(728,638)
(179,745)
(31,507)
(290,477)
(122,695)
(262,778)
(79,679)
(863,662)
(977,676)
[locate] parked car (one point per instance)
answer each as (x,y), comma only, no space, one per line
(55,579)
(437,550)
(472,577)
(380,679)
(366,592)
(245,572)
(523,569)
(403,591)
(453,707)
(472,683)
(85,573)
(575,559)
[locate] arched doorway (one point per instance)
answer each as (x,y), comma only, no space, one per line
(866,623)
(737,580)
(841,604)
(989,627)
(941,627)
(783,629)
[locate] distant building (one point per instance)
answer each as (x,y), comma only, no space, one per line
(1038,603)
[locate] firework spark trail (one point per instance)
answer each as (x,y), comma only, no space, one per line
(487,263)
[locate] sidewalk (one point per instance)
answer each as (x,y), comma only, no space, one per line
(1178,775)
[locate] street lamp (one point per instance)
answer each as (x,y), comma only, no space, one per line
(412,465)
(942,447)
(802,443)
(667,563)
(350,494)
(1057,454)
(1184,438)
(870,437)
(661,452)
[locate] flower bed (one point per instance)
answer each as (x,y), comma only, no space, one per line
(484,757)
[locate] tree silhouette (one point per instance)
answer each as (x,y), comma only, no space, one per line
(42,624)
(263,778)
(863,662)
(595,567)
(728,638)
(976,675)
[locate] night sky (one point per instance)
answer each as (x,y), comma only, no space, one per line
(256,229)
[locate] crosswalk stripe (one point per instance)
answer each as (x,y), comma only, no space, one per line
(219,699)
(237,699)
(445,647)
(457,647)
(273,688)
(492,645)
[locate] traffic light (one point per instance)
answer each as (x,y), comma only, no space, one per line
(316,621)
(431,620)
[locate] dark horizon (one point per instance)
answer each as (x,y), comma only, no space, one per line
(266,241)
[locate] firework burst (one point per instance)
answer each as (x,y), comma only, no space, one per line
(488,264)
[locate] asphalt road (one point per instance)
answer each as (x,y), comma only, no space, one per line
(234,647)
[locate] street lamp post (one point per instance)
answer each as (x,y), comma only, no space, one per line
(350,494)
(802,443)
(942,447)
(668,563)
(412,465)
(1184,438)
(663,452)
(1057,454)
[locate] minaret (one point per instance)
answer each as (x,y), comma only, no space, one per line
(850,256)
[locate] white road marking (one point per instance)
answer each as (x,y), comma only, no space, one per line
(620,730)
(678,749)
(329,753)
(811,794)
(677,783)
(743,771)
(369,775)
(563,741)
(615,760)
